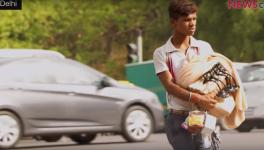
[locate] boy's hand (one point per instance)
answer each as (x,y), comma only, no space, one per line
(206,102)
(195,129)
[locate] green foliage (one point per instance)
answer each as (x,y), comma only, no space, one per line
(235,33)
(96,32)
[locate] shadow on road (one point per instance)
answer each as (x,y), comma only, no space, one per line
(59,144)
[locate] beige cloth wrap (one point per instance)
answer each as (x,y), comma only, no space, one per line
(231,109)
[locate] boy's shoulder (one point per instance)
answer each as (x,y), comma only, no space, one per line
(161,50)
(200,43)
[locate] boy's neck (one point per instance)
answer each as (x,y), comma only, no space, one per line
(181,42)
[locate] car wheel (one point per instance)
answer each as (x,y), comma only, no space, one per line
(137,124)
(244,127)
(10,129)
(83,138)
(54,138)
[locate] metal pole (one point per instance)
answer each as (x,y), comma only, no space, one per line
(140,45)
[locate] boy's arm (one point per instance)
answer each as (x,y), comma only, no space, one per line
(205,101)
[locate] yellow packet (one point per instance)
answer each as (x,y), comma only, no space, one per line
(196,118)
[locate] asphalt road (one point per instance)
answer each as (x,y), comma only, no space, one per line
(231,140)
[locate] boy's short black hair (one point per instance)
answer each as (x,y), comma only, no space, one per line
(178,8)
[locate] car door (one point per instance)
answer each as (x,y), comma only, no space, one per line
(91,108)
(81,88)
(254,92)
(71,106)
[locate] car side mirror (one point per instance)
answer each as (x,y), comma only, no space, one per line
(105,82)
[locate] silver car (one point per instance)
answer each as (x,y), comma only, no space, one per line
(48,97)
(252,77)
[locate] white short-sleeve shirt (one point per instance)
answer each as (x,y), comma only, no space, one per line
(197,47)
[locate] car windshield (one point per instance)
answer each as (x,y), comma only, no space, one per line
(252,73)
(100,75)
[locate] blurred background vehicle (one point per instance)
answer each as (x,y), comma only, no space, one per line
(48,97)
(25,53)
(252,77)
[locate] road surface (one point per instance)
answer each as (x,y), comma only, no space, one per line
(232,140)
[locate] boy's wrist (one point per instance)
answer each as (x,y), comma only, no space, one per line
(195,98)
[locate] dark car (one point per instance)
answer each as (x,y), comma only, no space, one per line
(48,97)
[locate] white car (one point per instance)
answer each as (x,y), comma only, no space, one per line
(46,96)
(28,53)
(252,77)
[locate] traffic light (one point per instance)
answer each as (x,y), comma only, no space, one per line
(132,55)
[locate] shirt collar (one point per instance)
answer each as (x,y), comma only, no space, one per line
(170,47)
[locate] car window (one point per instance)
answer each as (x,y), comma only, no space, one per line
(254,73)
(242,75)
(60,71)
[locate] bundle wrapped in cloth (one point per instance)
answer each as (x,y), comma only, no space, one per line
(216,75)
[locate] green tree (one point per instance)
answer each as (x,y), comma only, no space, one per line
(235,33)
(96,32)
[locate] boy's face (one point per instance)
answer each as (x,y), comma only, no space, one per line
(185,25)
